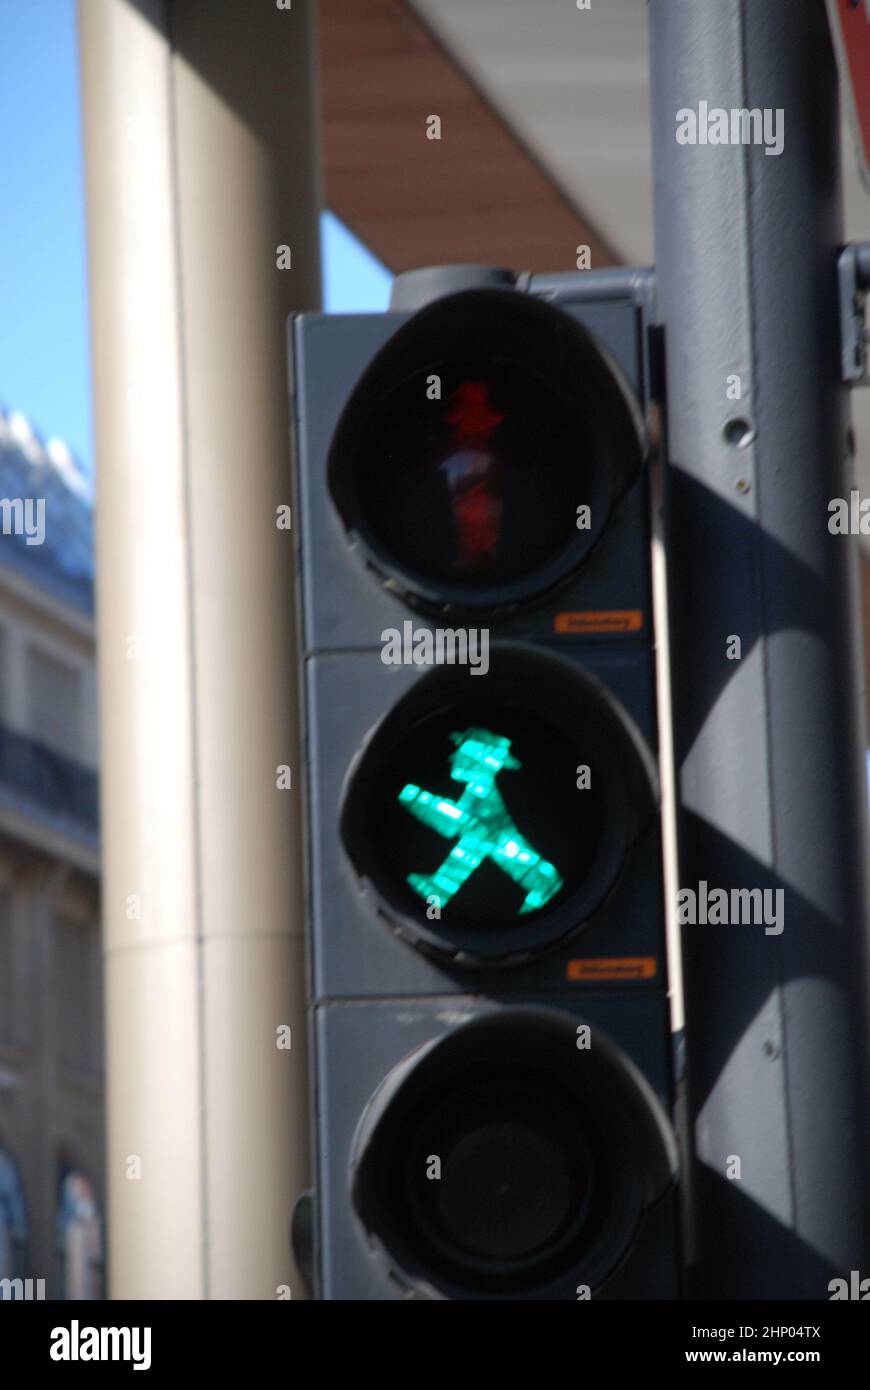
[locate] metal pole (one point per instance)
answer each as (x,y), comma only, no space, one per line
(200,152)
(769,743)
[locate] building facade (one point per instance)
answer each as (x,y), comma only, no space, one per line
(51,1051)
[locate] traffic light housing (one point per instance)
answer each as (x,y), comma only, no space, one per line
(491,1045)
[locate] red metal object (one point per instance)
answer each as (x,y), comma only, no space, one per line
(850,30)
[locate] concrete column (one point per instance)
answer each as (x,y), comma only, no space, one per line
(201,162)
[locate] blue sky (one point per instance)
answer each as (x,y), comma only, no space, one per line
(44,357)
(353,280)
(43,321)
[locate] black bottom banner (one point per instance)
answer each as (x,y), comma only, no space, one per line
(232,1339)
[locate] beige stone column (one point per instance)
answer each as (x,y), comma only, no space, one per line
(201,161)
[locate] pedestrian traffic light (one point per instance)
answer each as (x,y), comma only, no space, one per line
(489,1017)
(463,817)
(456,470)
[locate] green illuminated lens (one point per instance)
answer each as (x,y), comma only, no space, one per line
(481,825)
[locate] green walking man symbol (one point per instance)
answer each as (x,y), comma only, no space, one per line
(480,823)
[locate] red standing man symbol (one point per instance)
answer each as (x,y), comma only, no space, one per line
(471,471)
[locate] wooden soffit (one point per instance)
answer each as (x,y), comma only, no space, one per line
(475,195)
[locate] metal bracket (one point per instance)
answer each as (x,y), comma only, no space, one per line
(853,270)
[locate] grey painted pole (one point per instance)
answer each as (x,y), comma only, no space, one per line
(769,746)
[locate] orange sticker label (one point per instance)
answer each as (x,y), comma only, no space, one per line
(617,968)
(618,620)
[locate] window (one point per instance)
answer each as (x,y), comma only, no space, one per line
(13,1221)
(76,988)
(79,1238)
(7,1032)
(54,693)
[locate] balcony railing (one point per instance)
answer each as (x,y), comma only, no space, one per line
(48,781)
